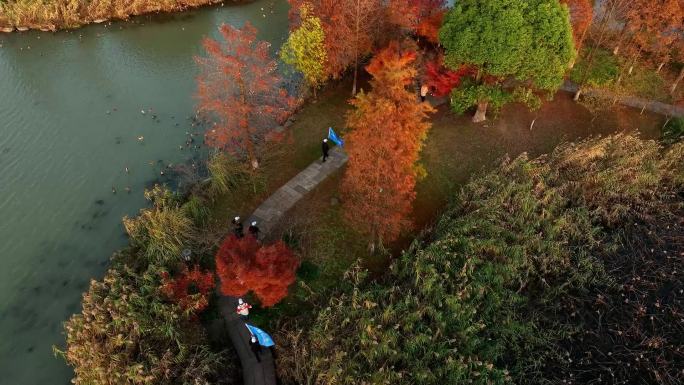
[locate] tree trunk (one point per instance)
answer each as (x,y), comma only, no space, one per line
(481,113)
(616,50)
(577,94)
(251,154)
(590,57)
(676,83)
(356,45)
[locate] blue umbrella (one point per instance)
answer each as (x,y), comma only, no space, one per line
(263,337)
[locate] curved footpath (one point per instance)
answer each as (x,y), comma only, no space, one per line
(268,214)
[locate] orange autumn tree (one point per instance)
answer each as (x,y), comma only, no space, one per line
(429,16)
(388,127)
(189,289)
(240,90)
(244,265)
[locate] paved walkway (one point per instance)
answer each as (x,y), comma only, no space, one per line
(275,206)
(267,215)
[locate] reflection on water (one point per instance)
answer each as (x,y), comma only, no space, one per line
(70,123)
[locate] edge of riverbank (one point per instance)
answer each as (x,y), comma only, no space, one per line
(85,15)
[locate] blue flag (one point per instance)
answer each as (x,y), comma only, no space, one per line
(333,136)
(263,337)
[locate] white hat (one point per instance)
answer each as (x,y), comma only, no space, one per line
(253,339)
(237,219)
(325,140)
(254,223)
(240,301)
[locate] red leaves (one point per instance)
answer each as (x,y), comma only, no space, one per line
(243,265)
(189,289)
(238,87)
(441,79)
(428,27)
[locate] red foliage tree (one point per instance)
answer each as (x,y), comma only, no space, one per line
(441,79)
(189,289)
(388,127)
(428,27)
(243,265)
(238,87)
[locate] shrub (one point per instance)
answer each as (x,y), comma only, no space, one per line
(190,289)
(604,69)
(196,210)
(161,231)
(673,131)
(127,334)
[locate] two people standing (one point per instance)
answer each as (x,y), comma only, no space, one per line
(239,229)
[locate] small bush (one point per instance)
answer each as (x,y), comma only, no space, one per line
(604,70)
(673,131)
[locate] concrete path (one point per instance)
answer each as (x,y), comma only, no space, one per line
(262,372)
(631,101)
(275,206)
(254,372)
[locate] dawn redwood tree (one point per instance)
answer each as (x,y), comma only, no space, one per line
(305,48)
(654,27)
(364,19)
(387,127)
(351,29)
(244,265)
(239,88)
(524,42)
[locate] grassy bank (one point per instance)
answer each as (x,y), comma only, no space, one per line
(65,14)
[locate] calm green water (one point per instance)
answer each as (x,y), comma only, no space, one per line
(61,153)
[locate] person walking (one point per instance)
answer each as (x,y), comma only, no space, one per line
(256,348)
(423,92)
(325,148)
(254,230)
(238,229)
(242,309)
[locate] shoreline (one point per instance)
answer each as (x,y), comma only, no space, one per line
(52,25)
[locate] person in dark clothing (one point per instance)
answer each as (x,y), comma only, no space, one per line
(238,229)
(256,348)
(325,148)
(254,230)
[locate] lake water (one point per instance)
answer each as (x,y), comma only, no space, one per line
(70,119)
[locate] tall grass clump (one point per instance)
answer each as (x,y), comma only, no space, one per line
(163,230)
(512,285)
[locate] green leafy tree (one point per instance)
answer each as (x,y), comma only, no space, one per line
(527,43)
(305,49)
